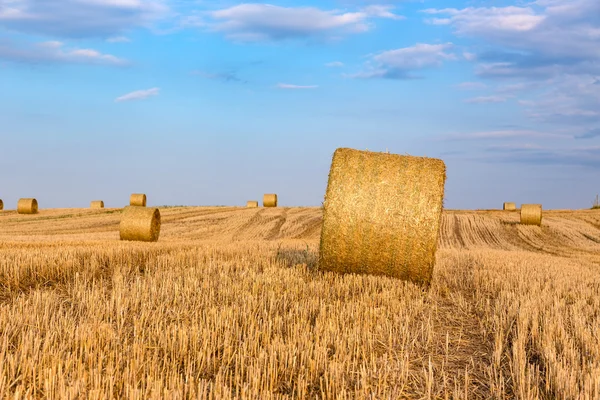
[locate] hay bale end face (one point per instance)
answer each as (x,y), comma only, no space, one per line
(531,214)
(137,199)
(140,223)
(270,200)
(509,207)
(27,206)
(252,204)
(97,204)
(382,214)
(1,205)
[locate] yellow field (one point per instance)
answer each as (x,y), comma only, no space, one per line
(229,304)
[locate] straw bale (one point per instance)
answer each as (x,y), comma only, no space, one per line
(270,200)
(382,214)
(137,199)
(1,205)
(252,203)
(140,223)
(27,206)
(509,207)
(97,204)
(531,214)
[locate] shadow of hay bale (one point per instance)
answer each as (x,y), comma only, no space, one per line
(292,257)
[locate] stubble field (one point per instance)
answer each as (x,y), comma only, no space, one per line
(230,304)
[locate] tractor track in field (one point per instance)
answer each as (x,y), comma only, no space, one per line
(247,226)
(275,232)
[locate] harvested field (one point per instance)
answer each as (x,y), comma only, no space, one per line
(229,304)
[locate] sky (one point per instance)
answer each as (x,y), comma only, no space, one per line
(218,102)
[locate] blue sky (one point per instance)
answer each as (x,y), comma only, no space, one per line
(216,103)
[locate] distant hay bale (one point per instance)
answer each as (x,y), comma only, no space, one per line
(140,223)
(97,204)
(270,200)
(382,214)
(27,206)
(252,203)
(531,214)
(509,206)
(1,205)
(137,199)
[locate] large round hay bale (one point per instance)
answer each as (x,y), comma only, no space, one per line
(252,203)
(531,214)
(382,214)
(97,204)
(509,206)
(140,223)
(270,200)
(137,199)
(1,204)
(27,206)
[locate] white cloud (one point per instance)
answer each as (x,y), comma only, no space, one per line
(138,95)
(381,11)
(487,99)
(505,134)
(79,18)
(52,44)
(515,147)
(471,85)
(55,52)
(547,50)
(563,33)
(495,19)
(397,64)
(520,87)
(118,39)
(438,21)
(290,86)
(257,22)
(469,56)
(335,64)
(572,100)
(588,156)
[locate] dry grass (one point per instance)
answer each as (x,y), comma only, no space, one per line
(382,214)
(252,204)
(27,206)
(140,223)
(531,214)
(230,304)
(97,204)
(270,200)
(137,199)
(509,206)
